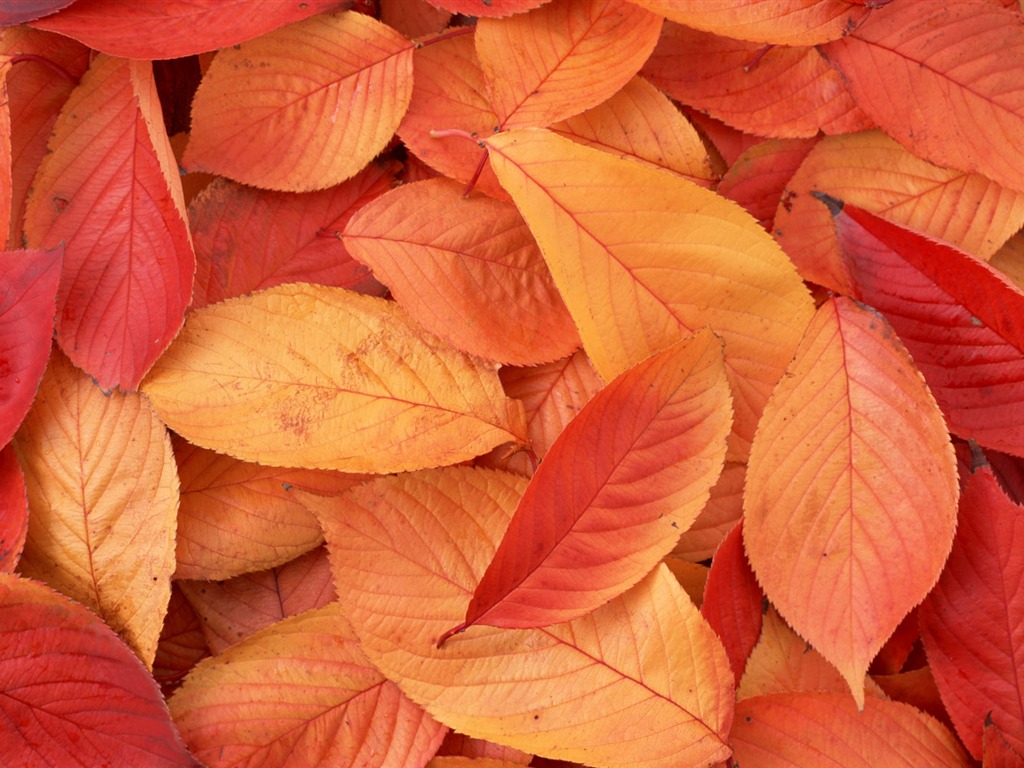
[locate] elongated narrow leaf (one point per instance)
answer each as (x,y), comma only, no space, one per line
(28,280)
(642,681)
(466,269)
(959,318)
(103,495)
(110,192)
(614,492)
(644,258)
(779,22)
(562,58)
(13,509)
(248,239)
(850,500)
(825,729)
(909,57)
(74,694)
(304,107)
(175,28)
(972,624)
(310,376)
(300,694)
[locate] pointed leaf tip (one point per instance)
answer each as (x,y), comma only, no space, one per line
(834,204)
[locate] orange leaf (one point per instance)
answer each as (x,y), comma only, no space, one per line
(181,644)
(110,191)
(850,501)
(466,269)
(304,107)
(909,57)
(300,694)
(644,258)
(311,376)
(641,123)
(873,172)
(779,22)
(719,516)
(103,495)
(413,18)
(628,474)
(819,729)
(778,92)
(641,681)
(237,517)
(562,58)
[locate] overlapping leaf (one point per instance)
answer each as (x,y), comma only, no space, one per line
(642,681)
(13,509)
(174,28)
(29,10)
(311,376)
(909,61)
(562,58)
(28,290)
(103,495)
(628,474)
(304,107)
(758,177)
(719,516)
(492,8)
(181,644)
(644,258)
(851,492)
(74,694)
(959,318)
(972,624)
(466,269)
(300,694)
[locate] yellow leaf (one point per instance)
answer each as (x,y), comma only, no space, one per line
(309,376)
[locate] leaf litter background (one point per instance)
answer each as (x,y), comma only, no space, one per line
(538,382)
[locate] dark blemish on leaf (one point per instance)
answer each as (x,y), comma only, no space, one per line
(788,196)
(748,719)
(834,204)
(675,524)
(764,605)
(487,3)
(536,717)
(286,486)
(60,203)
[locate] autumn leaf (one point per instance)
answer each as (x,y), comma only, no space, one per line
(310,376)
(13,509)
(641,681)
(628,474)
(851,482)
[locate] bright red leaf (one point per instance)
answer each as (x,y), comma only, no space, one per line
(13,509)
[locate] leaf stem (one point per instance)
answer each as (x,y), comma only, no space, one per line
(448,34)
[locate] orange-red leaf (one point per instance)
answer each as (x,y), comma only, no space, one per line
(758,177)
(73,693)
(942,79)
(719,516)
(779,22)
(312,376)
(13,509)
(644,258)
(562,58)
(850,500)
(28,289)
(466,269)
(825,729)
(171,29)
(628,474)
(181,644)
(248,239)
(972,624)
(304,107)
(300,694)
(103,495)
(490,8)
(642,681)
(109,190)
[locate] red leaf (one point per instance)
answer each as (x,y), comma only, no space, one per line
(958,317)
(28,289)
(616,489)
(972,624)
(13,509)
(73,693)
(171,29)
(733,600)
(110,191)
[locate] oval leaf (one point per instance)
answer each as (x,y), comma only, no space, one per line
(103,495)
(110,191)
(304,107)
(310,376)
(74,694)
(851,482)
(972,624)
(698,260)
(641,681)
(563,58)
(628,474)
(300,694)
(466,269)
